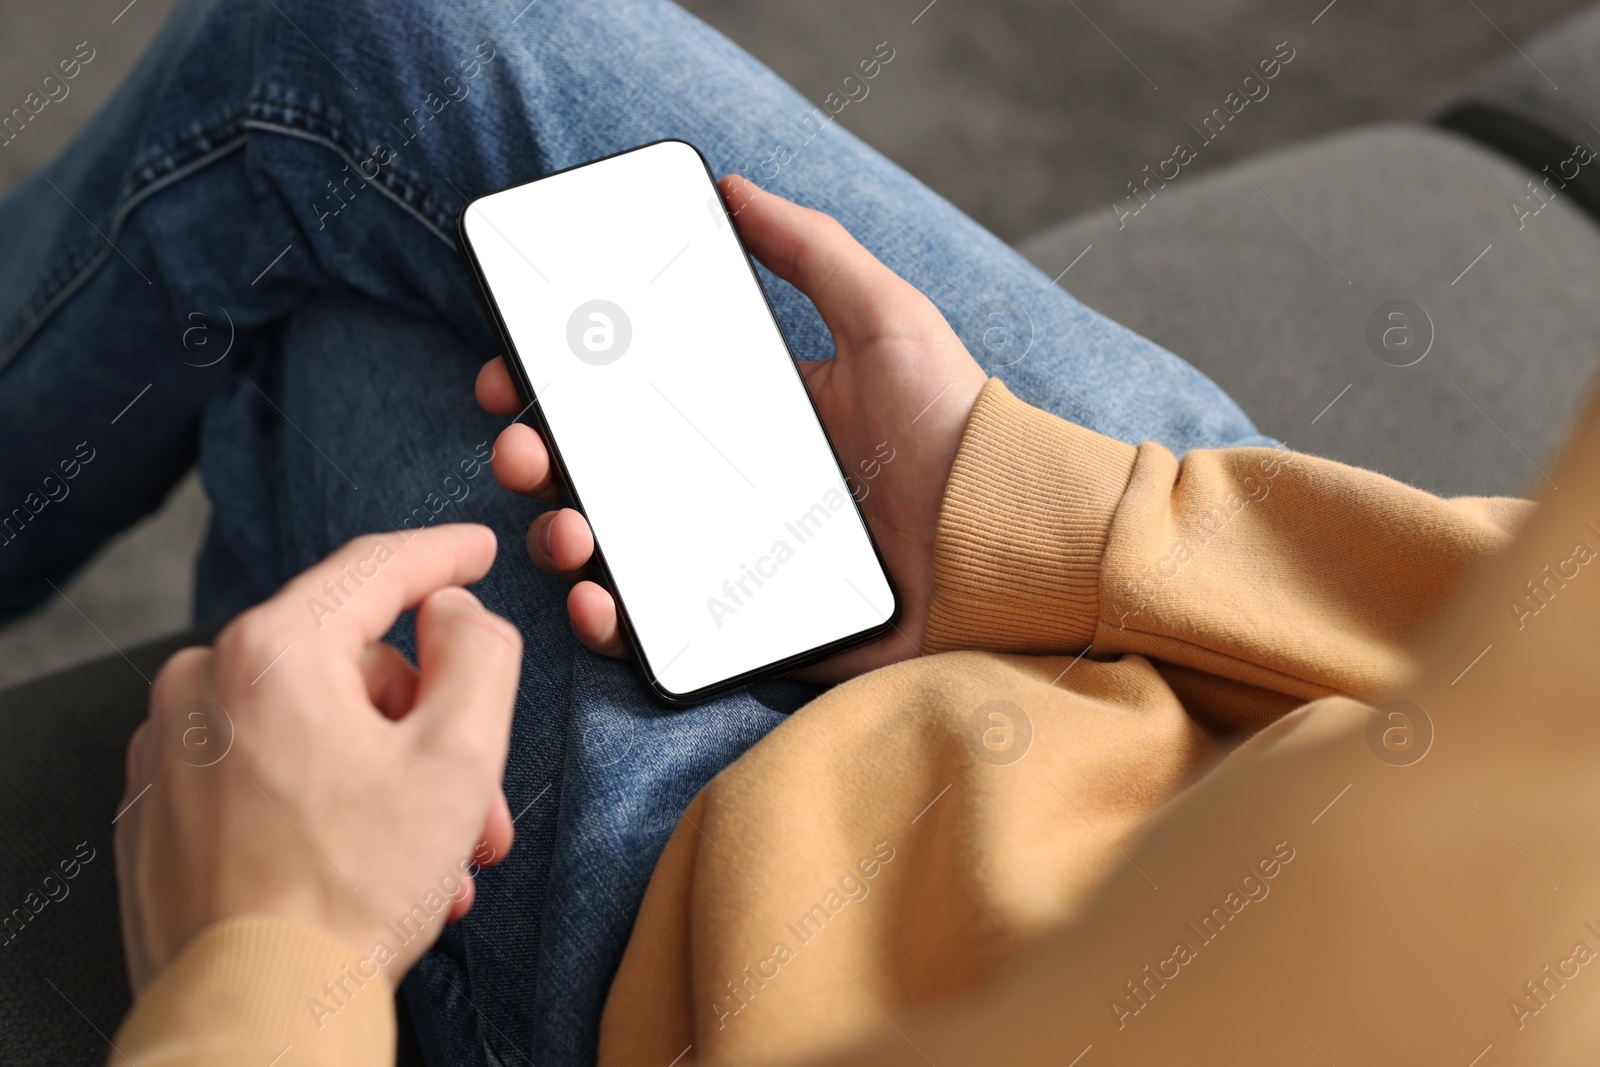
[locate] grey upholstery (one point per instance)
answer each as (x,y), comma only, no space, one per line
(63,738)
(1539,104)
(1266,275)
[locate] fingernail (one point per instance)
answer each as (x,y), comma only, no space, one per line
(544,537)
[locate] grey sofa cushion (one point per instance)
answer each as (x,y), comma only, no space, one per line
(1539,105)
(64,986)
(1270,276)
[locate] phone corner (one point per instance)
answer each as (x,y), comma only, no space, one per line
(686,143)
(896,605)
(463,239)
(666,696)
(691,146)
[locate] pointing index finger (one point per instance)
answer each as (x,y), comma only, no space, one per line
(356,594)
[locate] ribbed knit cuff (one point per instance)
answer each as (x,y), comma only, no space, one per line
(264,987)
(1023,530)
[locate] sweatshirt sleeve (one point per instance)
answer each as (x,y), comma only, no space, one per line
(256,989)
(1268,568)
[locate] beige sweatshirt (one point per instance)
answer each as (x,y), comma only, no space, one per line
(956,856)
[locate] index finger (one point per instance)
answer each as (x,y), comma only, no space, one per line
(496,392)
(356,594)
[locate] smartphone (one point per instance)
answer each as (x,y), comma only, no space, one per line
(636,328)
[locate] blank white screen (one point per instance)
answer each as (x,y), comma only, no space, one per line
(696,455)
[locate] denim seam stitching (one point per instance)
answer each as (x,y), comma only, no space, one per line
(339,151)
(171,159)
(81,266)
(60,284)
(303,124)
(42,310)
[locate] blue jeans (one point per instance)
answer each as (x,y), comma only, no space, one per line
(247,261)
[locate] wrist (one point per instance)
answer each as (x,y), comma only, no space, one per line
(254,975)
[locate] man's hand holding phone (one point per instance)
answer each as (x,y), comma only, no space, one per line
(901,380)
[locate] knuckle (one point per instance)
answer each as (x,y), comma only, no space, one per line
(177,675)
(496,641)
(497,635)
(244,646)
(470,747)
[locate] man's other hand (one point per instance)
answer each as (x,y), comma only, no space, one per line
(303,768)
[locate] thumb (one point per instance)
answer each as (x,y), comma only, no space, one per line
(469,662)
(858,297)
